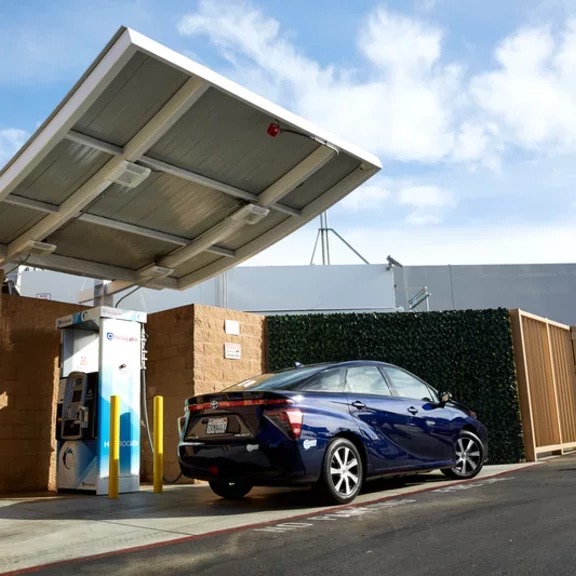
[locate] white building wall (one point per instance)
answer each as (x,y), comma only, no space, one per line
(270,290)
(548,290)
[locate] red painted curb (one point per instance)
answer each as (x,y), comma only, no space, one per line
(323,512)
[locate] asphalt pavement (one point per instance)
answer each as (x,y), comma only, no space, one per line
(521,523)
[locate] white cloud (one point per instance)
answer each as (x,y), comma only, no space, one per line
(498,244)
(11,140)
(239,29)
(368,197)
(429,203)
(433,245)
(422,218)
(532,92)
(398,43)
(406,102)
(407,107)
(473,141)
(425,196)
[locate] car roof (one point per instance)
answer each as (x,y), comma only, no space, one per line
(343,364)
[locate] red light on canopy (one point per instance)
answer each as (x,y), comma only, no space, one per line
(273,129)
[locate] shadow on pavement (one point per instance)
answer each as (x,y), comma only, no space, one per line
(181,502)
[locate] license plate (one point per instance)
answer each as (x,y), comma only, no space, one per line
(216,425)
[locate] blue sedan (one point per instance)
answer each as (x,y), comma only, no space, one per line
(332,426)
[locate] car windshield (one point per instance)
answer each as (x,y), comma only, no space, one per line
(284,380)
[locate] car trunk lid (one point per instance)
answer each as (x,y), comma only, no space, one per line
(230,417)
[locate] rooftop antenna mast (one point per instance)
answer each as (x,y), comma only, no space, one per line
(324,237)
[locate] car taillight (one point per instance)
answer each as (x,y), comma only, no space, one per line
(236,403)
(288,421)
(473,414)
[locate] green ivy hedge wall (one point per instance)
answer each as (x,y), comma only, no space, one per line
(468,353)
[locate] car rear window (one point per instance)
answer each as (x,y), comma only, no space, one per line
(284,380)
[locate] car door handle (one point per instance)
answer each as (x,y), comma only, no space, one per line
(358,404)
(413,410)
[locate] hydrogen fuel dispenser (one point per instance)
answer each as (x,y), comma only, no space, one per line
(102,354)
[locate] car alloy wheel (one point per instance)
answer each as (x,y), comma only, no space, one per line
(342,472)
(469,456)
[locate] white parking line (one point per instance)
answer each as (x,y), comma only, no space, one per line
(356,511)
(295,524)
(284,527)
(469,485)
(338,515)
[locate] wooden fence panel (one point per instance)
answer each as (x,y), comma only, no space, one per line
(545,366)
(561,344)
(546,427)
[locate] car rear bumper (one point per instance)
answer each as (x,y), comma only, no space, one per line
(280,465)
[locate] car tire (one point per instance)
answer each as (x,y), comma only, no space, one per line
(469,453)
(230,490)
(342,472)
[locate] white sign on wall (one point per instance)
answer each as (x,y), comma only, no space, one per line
(44,296)
(232,351)
(232,327)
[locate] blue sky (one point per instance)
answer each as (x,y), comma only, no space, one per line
(471,106)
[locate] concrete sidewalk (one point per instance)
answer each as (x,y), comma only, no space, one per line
(39,530)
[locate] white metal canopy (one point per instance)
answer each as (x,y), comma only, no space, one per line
(156,170)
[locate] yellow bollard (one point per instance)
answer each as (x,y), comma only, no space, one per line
(158,443)
(114,473)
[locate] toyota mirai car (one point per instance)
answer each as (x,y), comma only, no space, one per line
(331,426)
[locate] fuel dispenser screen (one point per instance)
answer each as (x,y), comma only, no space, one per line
(79,407)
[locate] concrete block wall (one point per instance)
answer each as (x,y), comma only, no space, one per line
(186,358)
(29,349)
(212,372)
(169,373)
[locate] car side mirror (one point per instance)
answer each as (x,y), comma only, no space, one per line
(445,397)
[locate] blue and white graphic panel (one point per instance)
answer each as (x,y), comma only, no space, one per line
(77,465)
(120,356)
